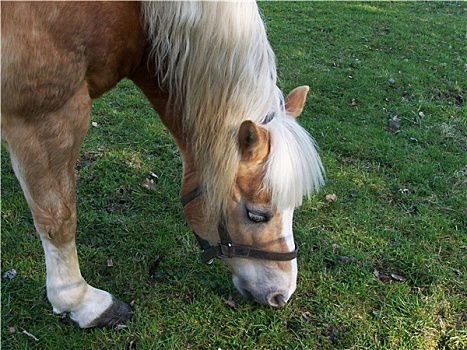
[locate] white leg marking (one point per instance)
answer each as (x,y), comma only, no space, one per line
(67,291)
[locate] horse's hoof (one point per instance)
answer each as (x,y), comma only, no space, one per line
(118,313)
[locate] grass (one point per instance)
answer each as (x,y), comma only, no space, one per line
(400,207)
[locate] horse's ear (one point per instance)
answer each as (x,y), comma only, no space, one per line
(295,101)
(248,139)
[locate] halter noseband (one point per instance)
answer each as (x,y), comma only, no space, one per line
(225,248)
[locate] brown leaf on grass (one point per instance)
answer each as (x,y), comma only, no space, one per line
(354,102)
(148,184)
(383,277)
(386,277)
(331,197)
(230,302)
(397,278)
(110,263)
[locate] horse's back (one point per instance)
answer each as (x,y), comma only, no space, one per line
(50,49)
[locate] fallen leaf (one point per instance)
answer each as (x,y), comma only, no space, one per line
(331,197)
(397,278)
(12,330)
(110,263)
(148,184)
(386,277)
(94,124)
(306,315)
(230,302)
(354,102)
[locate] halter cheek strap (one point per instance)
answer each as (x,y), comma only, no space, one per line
(187,198)
(225,248)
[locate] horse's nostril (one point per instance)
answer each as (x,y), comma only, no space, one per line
(276,300)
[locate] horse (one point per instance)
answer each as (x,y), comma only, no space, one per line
(209,72)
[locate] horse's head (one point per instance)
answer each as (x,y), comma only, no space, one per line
(255,234)
(254,222)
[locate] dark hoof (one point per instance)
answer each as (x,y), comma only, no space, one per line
(118,313)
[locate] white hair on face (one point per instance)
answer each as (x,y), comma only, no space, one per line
(293,168)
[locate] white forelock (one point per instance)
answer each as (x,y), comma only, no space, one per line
(294,168)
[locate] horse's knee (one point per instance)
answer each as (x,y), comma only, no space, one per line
(56,224)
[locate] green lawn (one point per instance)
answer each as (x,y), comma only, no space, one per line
(382,265)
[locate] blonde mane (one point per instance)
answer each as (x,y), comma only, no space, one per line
(214,57)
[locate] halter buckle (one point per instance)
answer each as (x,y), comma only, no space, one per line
(230,252)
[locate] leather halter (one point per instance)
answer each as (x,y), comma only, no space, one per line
(225,248)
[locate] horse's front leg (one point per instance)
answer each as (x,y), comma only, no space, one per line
(43,150)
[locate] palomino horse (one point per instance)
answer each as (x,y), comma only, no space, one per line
(209,72)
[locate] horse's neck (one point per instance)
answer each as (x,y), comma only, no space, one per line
(172,119)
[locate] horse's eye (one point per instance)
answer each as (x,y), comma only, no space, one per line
(256,217)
